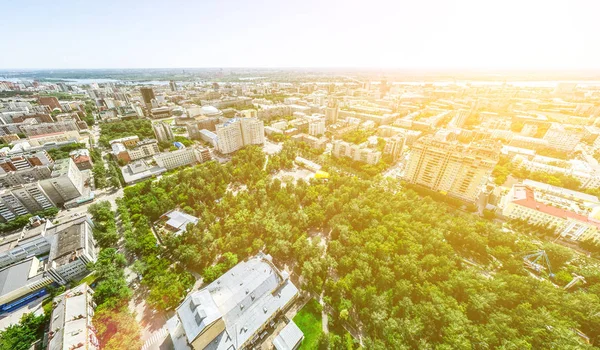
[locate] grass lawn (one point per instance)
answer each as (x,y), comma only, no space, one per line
(308,320)
(89,279)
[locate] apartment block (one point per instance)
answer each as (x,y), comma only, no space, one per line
(239,132)
(65,183)
(50,128)
(358,153)
(451,168)
(162,131)
(564,137)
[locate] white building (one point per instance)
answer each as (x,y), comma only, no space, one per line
(239,132)
(71,323)
(357,153)
(162,131)
(235,311)
(182,157)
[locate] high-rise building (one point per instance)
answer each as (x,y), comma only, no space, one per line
(239,132)
(147,95)
(394,146)
(65,183)
(331,112)
(162,131)
(173,85)
(451,168)
(316,127)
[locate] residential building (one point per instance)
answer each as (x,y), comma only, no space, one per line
(394,146)
(162,131)
(316,127)
(236,310)
(312,141)
(358,153)
(49,101)
(82,159)
(147,95)
(564,137)
(71,322)
(50,128)
(451,168)
(239,132)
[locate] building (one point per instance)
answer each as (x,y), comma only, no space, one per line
(49,101)
(175,222)
(50,128)
(564,137)
(71,322)
(18,177)
(394,146)
(139,170)
(451,168)
(182,157)
(574,215)
(24,160)
(72,249)
(162,131)
(129,141)
(32,260)
(312,141)
(290,337)
(147,95)
(142,149)
(173,85)
(236,310)
(82,159)
(160,112)
(358,153)
(66,182)
(316,127)
(239,132)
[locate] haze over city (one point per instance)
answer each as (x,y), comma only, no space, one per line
(431,34)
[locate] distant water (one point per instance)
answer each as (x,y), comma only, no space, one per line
(90,81)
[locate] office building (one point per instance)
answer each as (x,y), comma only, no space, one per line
(71,322)
(451,168)
(18,177)
(142,149)
(24,160)
(162,131)
(236,310)
(72,249)
(239,132)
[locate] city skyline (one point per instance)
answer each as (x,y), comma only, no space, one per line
(511,35)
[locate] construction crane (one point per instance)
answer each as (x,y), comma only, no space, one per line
(574,281)
(538,261)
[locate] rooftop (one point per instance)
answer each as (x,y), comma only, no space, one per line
(289,337)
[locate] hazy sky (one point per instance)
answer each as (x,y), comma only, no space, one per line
(478,34)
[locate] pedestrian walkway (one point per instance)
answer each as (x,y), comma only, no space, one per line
(156,337)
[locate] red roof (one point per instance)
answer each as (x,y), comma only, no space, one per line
(531,203)
(81,159)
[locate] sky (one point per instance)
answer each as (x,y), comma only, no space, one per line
(414,34)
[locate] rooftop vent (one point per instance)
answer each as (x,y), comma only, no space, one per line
(199,316)
(265,310)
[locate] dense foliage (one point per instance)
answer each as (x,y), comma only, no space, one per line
(20,336)
(116,326)
(405,270)
(140,127)
(21,221)
(63,151)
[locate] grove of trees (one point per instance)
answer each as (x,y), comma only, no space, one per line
(407,271)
